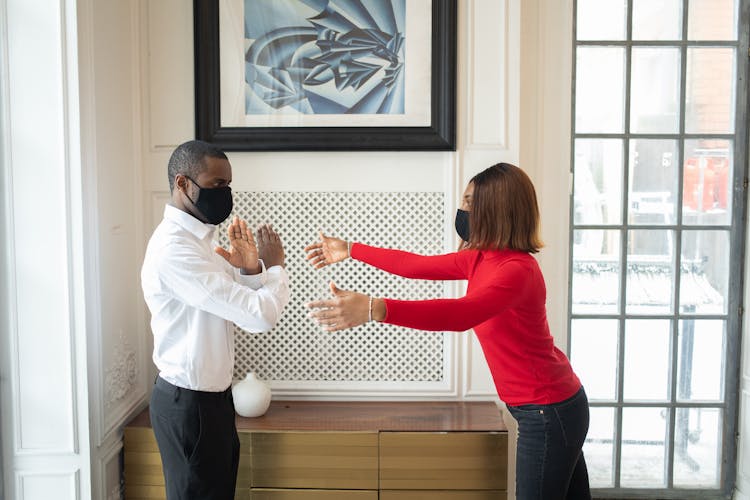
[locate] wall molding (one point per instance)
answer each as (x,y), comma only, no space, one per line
(7,296)
(121,376)
(475,15)
(545,145)
(25,479)
(110,484)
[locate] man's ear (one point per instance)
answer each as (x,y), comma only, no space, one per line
(180,182)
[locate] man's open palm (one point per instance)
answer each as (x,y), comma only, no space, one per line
(243,253)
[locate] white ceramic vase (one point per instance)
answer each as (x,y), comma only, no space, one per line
(251,396)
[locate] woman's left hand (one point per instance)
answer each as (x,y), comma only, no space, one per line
(344,310)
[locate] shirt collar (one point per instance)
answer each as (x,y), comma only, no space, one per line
(188,222)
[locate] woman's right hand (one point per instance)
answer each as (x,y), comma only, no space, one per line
(327,251)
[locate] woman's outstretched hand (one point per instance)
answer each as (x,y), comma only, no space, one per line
(344,310)
(327,251)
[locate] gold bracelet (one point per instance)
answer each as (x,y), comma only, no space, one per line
(349,249)
(369,310)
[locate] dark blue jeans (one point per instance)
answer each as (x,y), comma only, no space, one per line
(549,460)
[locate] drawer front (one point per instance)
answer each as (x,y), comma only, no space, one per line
(316,460)
(443,495)
(277,494)
(138,492)
(443,461)
(144,476)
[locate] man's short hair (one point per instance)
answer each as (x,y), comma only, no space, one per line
(189,159)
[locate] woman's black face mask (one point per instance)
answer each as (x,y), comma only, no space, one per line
(214,203)
(462,224)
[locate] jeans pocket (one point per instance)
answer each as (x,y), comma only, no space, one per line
(527,409)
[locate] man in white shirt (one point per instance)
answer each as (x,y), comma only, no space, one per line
(195,290)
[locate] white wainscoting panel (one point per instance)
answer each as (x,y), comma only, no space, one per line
(120,367)
(169,92)
(487,38)
(110,481)
(42,333)
(60,486)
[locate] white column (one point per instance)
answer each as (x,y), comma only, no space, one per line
(43,385)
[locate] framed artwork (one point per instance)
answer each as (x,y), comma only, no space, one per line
(317,75)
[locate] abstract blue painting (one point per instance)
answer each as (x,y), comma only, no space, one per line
(324,56)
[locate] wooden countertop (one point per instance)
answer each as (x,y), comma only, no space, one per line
(417,416)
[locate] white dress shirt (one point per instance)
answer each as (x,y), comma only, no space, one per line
(195,295)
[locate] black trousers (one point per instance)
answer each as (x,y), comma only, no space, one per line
(197,440)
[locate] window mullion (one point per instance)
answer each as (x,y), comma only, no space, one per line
(623,249)
(678,250)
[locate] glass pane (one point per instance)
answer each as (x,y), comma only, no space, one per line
(712,20)
(709,104)
(650,277)
(644,437)
(596,271)
(707,182)
(601,19)
(704,272)
(598,181)
(652,190)
(700,360)
(657,19)
(655,90)
(647,363)
(600,100)
(697,447)
(599,447)
(593,353)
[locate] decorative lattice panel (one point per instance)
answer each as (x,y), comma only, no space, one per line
(297,349)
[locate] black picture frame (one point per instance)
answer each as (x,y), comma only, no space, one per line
(440,135)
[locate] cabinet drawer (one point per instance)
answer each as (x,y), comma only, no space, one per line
(277,494)
(144,476)
(443,461)
(442,495)
(316,460)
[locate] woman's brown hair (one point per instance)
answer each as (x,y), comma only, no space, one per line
(504,211)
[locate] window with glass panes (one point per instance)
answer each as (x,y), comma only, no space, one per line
(659,156)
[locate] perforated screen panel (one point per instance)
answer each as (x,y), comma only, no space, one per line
(297,349)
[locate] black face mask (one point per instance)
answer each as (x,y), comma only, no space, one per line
(215,204)
(462,224)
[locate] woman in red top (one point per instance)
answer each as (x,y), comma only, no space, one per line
(505,305)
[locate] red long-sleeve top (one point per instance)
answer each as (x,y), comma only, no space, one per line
(504,304)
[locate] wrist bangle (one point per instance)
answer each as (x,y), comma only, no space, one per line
(369,310)
(349,249)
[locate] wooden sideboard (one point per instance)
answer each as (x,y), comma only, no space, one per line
(315,450)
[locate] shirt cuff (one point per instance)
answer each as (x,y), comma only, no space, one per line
(278,272)
(254,281)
